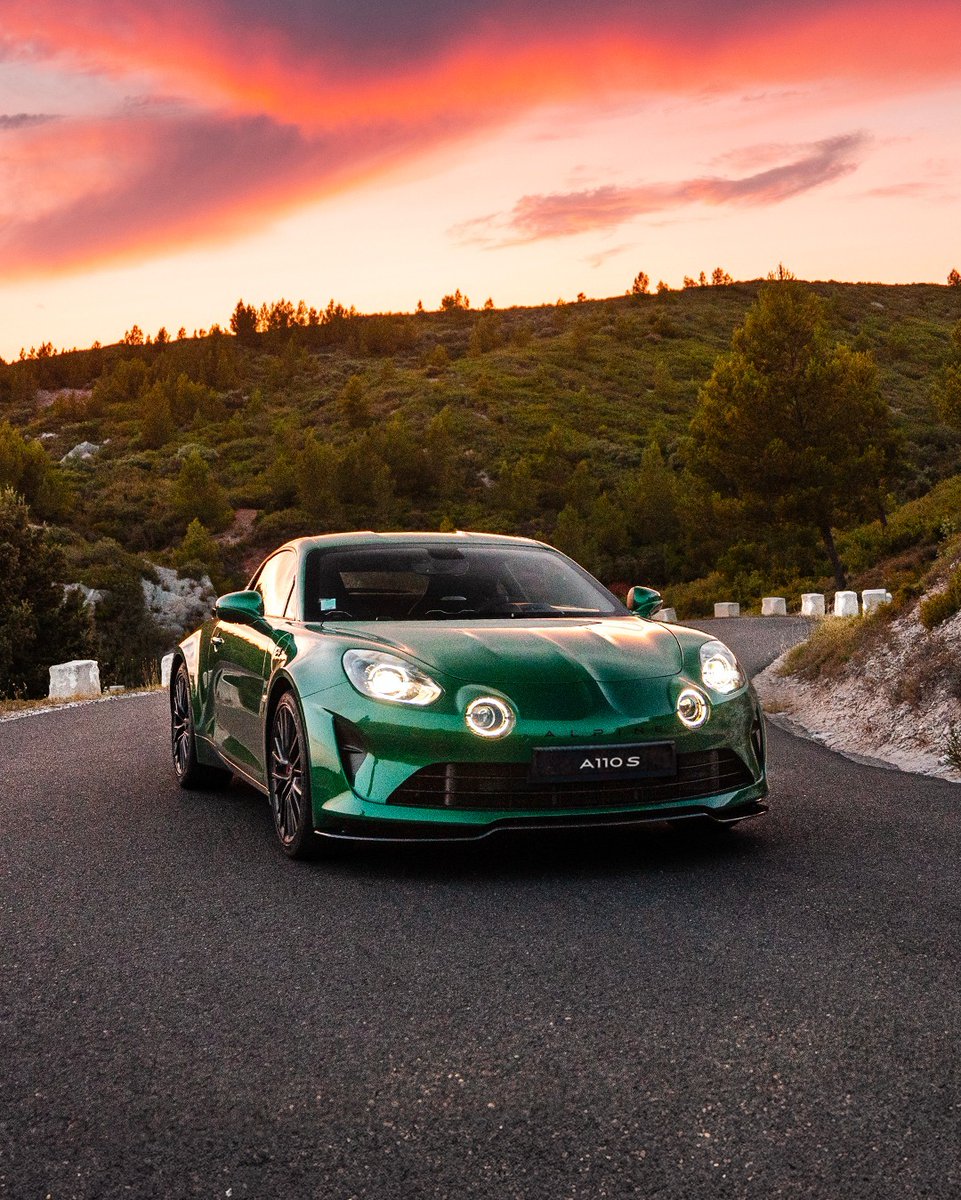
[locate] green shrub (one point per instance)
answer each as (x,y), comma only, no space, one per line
(39,623)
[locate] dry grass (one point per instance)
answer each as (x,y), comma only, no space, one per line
(14,706)
(952,745)
(9,708)
(932,667)
(837,641)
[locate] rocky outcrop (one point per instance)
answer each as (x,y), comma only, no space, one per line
(178,605)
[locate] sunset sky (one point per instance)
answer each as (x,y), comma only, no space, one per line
(159,162)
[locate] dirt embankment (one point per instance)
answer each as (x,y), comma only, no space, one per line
(873,688)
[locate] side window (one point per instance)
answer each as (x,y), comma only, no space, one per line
(275,582)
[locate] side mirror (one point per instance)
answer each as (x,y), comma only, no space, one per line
(643,601)
(243,607)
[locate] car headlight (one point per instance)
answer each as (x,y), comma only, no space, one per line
(719,668)
(387,677)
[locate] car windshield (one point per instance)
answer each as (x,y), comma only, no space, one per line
(444,581)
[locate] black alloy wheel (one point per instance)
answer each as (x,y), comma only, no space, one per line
(190,772)
(289,780)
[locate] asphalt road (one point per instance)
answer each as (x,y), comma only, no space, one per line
(185,1013)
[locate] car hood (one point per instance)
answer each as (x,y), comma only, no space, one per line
(555,652)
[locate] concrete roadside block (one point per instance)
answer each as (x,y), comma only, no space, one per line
(873,598)
(846,604)
(727,609)
(76,680)
(773,606)
(166,666)
(666,614)
(812,604)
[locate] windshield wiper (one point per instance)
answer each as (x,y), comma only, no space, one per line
(521,614)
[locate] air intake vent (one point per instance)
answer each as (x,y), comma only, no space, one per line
(506,787)
(352,746)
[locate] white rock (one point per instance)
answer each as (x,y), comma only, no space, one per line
(872,598)
(665,614)
(82,452)
(91,596)
(75,680)
(812,604)
(846,604)
(773,606)
(727,609)
(166,666)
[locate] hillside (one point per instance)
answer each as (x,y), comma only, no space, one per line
(567,422)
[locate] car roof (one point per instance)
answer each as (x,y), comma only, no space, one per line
(368,537)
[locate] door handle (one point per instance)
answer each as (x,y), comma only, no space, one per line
(216,640)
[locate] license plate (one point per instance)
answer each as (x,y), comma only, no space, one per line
(646,760)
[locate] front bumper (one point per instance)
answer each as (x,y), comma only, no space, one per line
(380,795)
(361,829)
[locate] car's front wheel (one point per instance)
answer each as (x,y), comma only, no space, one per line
(190,772)
(289,781)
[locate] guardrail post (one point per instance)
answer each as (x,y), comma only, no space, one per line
(812,604)
(76,680)
(873,598)
(846,604)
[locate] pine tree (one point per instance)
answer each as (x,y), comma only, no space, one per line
(793,424)
(197,494)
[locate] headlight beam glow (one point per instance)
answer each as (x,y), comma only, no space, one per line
(387,677)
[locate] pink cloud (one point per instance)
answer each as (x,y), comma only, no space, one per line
(534,218)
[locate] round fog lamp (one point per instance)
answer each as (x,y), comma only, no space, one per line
(692,708)
(489,717)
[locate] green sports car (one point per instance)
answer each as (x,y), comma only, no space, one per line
(451,685)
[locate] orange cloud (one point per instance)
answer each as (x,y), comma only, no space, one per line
(287,103)
(498,58)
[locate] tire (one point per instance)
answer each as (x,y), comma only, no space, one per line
(190,772)
(288,777)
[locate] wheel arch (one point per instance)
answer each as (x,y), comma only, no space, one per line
(280,685)
(179,660)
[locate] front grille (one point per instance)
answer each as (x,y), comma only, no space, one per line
(505,787)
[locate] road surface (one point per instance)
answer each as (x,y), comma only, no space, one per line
(185,1013)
